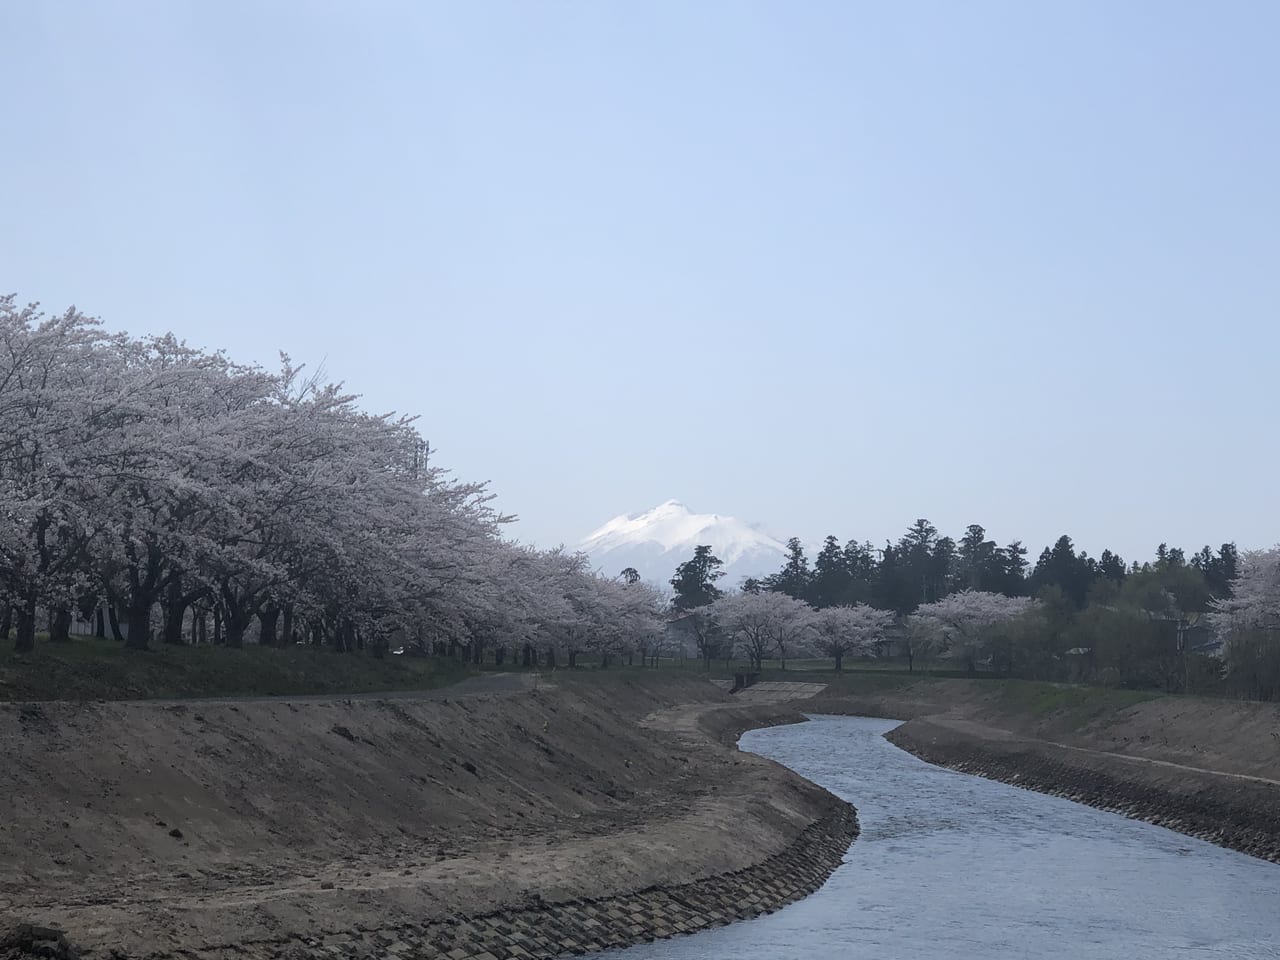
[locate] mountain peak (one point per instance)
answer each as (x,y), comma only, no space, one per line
(656,541)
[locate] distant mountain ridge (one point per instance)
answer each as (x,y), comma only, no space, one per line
(657,541)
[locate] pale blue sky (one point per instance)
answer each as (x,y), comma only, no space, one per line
(826,266)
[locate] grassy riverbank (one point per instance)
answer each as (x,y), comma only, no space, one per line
(87,668)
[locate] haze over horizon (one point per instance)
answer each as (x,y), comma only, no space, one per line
(826,268)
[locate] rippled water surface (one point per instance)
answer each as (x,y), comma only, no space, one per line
(954,867)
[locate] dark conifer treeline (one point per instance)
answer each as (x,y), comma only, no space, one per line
(1139,625)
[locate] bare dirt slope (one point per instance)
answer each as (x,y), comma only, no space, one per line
(158,827)
(1225,736)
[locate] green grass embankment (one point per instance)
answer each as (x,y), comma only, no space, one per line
(88,668)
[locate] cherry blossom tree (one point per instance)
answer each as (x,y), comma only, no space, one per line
(966,621)
(853,629)
(763,623)
(58,388)
(746,619)
(1248,623)
(147,475)
(791,626)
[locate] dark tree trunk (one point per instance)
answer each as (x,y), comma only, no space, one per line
(286,627)
(199,625)
(236,617)
(25,640)
(268,619)
(499,656)
(175,611)
(60,625)
(477,652)
(113,619)
(527,659)
(217,626)
(139,627)
(99,623)
(6,621)
(573,658)
(551,656)
(839,661)
(236,624)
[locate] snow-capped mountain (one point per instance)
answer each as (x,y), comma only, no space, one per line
(659,540)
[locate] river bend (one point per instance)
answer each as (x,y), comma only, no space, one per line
(955,867)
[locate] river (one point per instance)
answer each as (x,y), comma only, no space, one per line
(954,867)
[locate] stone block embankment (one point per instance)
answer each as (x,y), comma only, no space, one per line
(1235,812)
(558,820)
(590,924)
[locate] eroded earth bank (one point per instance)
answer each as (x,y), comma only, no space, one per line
(564,818)
(587,813)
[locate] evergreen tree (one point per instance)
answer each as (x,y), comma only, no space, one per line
(695,589)
(1218,570)
(830,583)
(917,574)
(862,567)
(942,568)
(1111,567)
(893,588)
(695,580)
(1012,561)
(1061,567)
(976,560)
(793,578)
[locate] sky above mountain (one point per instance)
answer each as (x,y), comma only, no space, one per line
(831,266)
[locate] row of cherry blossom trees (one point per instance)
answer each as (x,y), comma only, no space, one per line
(169,486)
(766,620)
(969,628)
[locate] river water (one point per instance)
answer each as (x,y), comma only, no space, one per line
(954,867)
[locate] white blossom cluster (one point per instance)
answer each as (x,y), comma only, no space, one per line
(166,482)
(769,624)
(959,626)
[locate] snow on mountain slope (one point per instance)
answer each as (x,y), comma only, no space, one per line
(659,540)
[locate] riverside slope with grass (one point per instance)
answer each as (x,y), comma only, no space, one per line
(343,825)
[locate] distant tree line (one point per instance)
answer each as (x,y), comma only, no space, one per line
(1171,622)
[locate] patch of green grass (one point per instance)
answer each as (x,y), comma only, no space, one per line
(1073,701)
(88,668)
